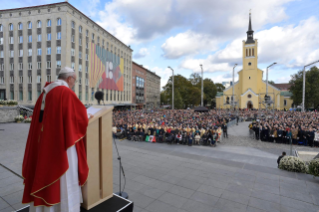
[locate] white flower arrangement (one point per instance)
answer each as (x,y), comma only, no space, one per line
(3,102)
(8,102)
(12,102)
(313,167)
(28,120)
(18,118)
(293,164)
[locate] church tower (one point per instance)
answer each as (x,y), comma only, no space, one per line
(250,74)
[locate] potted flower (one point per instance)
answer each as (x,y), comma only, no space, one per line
(2,102)
(18,118)
(28,120)
(314,167)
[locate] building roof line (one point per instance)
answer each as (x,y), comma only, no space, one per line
(61,3)
(141,66)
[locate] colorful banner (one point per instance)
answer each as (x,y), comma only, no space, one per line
(106,69)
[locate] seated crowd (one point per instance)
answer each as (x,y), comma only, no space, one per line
(173,127)
(282,127)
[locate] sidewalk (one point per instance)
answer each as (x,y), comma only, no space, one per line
(178,178)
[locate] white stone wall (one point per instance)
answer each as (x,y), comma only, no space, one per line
(7,114)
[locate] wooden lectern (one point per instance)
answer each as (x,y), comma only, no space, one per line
(99,186)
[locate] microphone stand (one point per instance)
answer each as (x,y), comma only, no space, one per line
(121,170)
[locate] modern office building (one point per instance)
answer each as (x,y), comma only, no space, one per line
(35,42)
(138,85)
(145,87)
(153,91)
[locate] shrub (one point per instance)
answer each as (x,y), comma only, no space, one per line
(314,167)
(28,120)
(3,102)
(293,164)
(19,118)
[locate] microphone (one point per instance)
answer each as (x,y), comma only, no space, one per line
(99,95)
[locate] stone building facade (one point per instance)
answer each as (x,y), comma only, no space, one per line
(153,92)
(139,87)
(35,42)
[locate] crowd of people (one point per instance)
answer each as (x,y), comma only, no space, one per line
(189,127)
(284,127)
(172,126)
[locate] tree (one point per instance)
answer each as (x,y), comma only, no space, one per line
(271,82)
(195,78)
(312,88)
(210,91)
(220,87)
(182,86)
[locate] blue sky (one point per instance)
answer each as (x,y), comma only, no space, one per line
(186,33)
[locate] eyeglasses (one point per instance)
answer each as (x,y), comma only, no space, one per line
(75,80)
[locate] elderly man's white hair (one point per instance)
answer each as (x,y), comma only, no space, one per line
(65,73)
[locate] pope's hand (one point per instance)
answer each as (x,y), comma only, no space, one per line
(90,115)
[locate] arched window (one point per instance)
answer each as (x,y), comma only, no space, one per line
(20,26)
(72,24)
(39,24)
(48,23)
(80,29)
(285,102)
(59,22)
(29,25)
(246,52)
(253,53)
(1,28)
(10,27)
(249,52)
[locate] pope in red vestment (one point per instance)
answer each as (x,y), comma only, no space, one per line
(58,125)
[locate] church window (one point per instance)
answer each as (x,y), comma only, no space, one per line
(246,52)
(285,102)
(249,77)
(253,53)
(249,63)
(249,96)
(249,52)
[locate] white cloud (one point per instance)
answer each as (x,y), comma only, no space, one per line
(143,20)
(290,46)
(165,74)
(141,53)
(188,43)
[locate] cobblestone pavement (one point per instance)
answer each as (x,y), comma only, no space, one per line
(238,175)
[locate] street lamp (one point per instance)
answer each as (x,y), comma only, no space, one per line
(202,104)
(232,100)
(267,82)
(304,84)
(172,87)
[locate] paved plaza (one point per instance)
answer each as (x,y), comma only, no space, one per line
(240,175)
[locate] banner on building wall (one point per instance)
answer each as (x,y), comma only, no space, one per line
(106,69)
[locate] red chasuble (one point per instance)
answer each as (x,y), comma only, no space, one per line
(63,125)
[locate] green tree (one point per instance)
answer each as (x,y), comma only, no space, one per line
(220,87)
(271,82)
(210,91)
(312,88)
(195,79)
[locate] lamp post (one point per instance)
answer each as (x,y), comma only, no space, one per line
(202,95)
(304,84)
(172,87)
(232,97)
(267,82)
